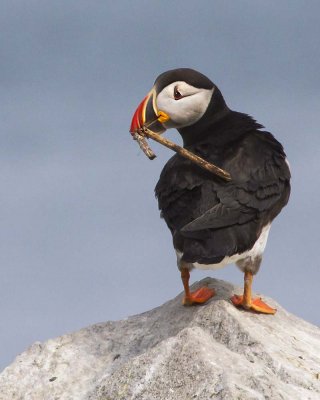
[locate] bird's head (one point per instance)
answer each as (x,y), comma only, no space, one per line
(178,99)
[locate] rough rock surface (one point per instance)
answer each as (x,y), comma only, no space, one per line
(214,351)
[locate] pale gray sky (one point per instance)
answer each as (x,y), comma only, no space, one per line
(80,237)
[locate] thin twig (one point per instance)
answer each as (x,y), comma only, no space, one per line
(180,150)
(144,146)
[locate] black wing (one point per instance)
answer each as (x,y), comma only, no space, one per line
(217,218)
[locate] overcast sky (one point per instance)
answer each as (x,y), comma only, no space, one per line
(81,240)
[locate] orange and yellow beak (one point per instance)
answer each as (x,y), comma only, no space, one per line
(147,115)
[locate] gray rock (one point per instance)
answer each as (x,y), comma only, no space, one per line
(214,351)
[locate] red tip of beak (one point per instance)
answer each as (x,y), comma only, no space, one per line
(139,116)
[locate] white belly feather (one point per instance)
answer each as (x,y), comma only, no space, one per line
(256,251)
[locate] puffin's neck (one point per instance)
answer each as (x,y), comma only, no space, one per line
(219,127)
(202,129)
(216,112)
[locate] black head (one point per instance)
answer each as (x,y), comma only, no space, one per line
(180,98)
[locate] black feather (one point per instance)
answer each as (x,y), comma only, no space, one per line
(209,218)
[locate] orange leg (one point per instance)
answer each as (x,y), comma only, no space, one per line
(247,302)
(199,296)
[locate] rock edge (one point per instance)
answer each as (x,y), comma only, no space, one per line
(214,351)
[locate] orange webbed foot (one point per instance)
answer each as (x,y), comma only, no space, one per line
(255,304)
(199,296)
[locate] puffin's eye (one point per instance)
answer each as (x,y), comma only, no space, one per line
(177,94)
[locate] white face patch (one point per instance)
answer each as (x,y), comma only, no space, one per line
(188,109)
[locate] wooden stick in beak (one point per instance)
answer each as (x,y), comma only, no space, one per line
(146,132)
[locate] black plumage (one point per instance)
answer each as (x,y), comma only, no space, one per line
(209,218)
(214,222)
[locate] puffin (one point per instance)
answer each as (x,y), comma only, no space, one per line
(214,222)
